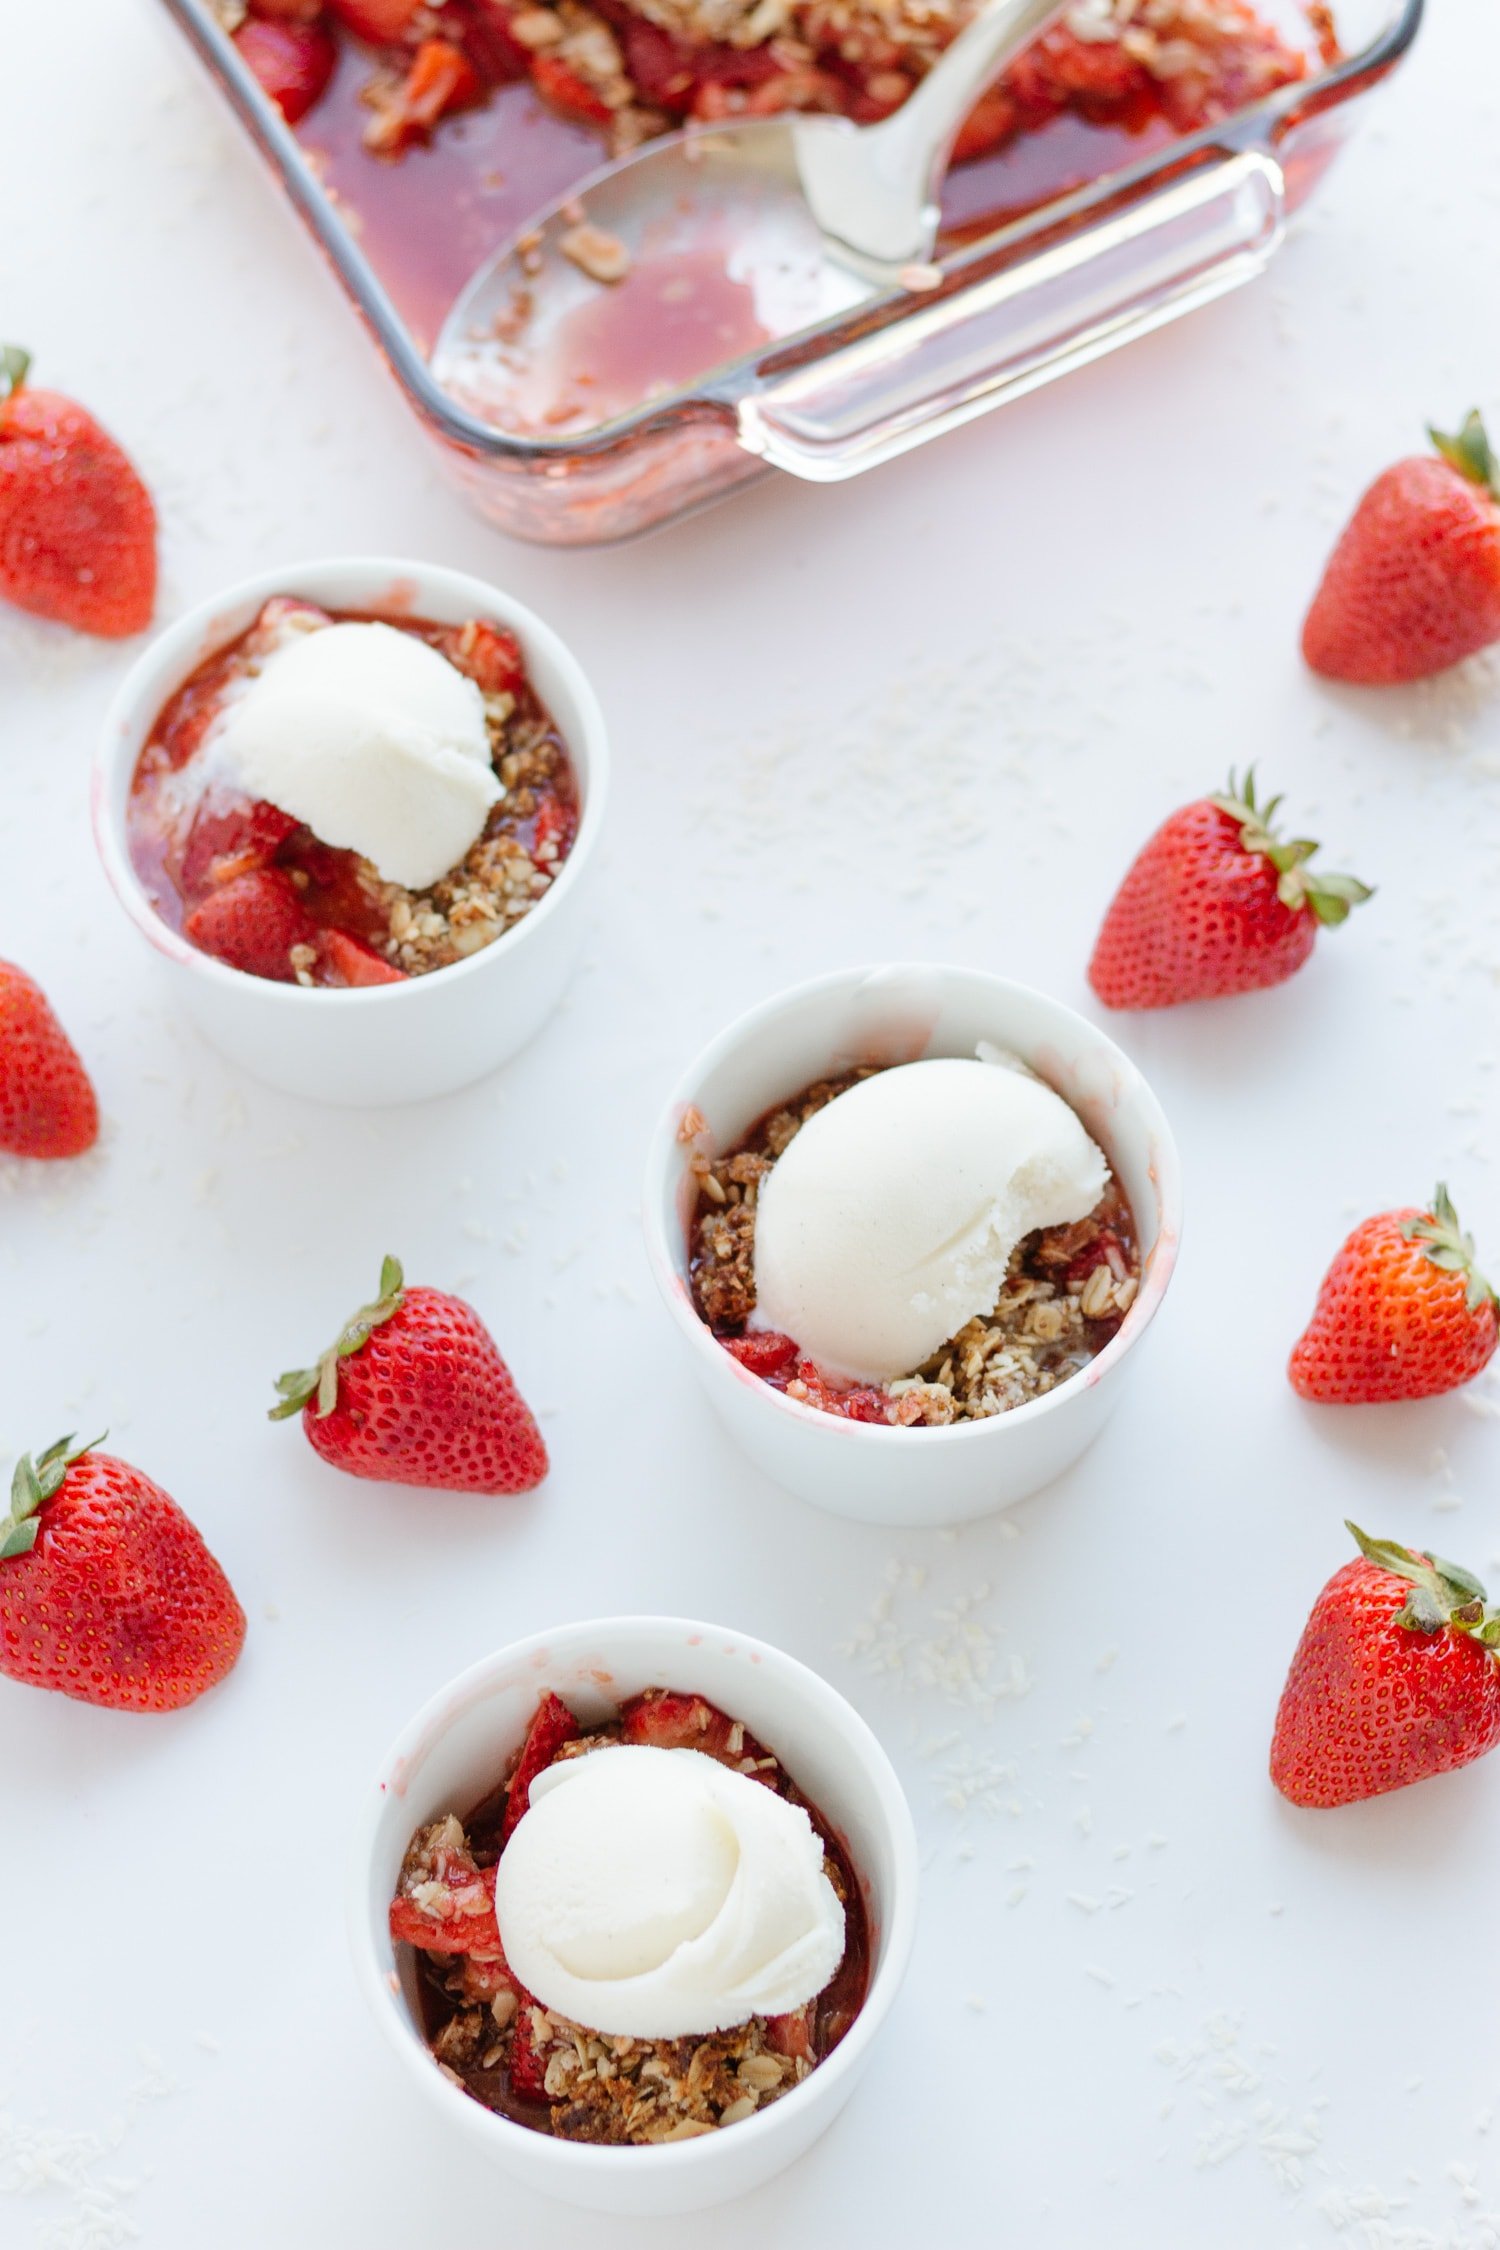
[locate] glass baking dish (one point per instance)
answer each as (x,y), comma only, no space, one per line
(1015,303)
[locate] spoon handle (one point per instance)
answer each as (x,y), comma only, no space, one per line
(877,195)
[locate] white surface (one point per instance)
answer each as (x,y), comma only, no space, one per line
(1004,658)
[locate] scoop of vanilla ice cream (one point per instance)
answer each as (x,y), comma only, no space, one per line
(656,1894)
(890,1220)
(374,740)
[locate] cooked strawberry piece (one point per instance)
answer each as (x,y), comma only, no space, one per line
(528,2067)
(763,1354)
(1096,1254)
(292,62)
(659,65)
(229,840)
(566,91)
(489,657)
(440,78)
(664,1720)
(348,960)
(382,22)
(864,1403)
(556,824)
(252,924)
(445,1903)
(791,2035)
(551,1726)
(287,11)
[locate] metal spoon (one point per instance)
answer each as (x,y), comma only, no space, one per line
(730,236)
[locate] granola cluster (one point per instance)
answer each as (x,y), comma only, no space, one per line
(1065,1294)
(618,2091)
(504,872)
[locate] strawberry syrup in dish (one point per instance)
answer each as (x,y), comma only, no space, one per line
(433,171)
(509,2053)
(246,882)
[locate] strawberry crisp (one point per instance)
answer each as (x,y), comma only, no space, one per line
(635,68)
(531,2063)
(1062,1297)
(246,879)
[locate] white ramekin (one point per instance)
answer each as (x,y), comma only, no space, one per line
(386,1043)
(893,1014)
(451,1755)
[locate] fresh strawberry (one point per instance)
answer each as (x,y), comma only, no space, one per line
(77,527)
(1414,583)
(226,840)
(47,1104)
(551,1726)
(1393,1679)
(444,1902)
(107,1592)
(253,923)
(1215,904)
(290,61)
(347,960)
(762,1352)
(566,91)
(1403,1312)
(415,1391)
(382,22)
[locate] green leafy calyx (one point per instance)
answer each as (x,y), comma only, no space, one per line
(322,1382)
(1446,1244)
(1328,897)
(1444,1596)
(1471,453)
(15,365)
(34,1483)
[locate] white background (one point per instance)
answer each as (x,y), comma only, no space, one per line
(932,713)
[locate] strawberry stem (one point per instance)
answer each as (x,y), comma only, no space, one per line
(322,1381)
(1443,1594)
(15,365)
(1446,1244)
(1327,897)
(33,1484)
(1471,453)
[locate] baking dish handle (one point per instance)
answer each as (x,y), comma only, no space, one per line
(985,341)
